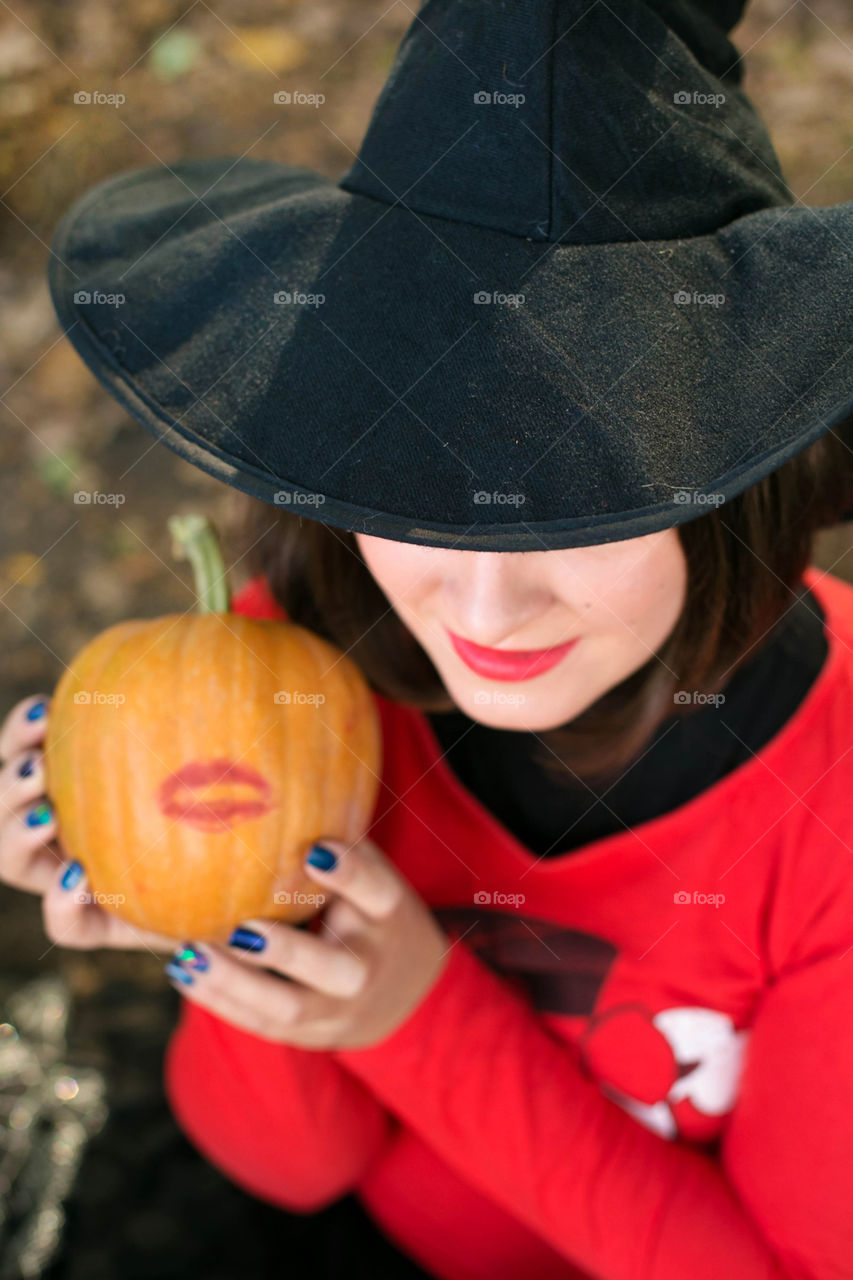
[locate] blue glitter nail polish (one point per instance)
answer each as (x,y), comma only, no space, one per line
(190,955)
(26,767)
(72,875)
(177,974)
(322,858)
(247,940)
(37,710)
(38,816)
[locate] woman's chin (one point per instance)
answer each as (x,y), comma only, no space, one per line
(513,707)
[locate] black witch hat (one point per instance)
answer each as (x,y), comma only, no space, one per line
(562,296)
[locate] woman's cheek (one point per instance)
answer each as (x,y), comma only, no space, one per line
(647,605)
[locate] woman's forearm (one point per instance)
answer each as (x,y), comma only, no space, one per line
(484,1082)
(289,1125)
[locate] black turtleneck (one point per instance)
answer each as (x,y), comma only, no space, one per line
(551,816)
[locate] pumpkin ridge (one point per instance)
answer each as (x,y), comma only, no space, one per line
(248,672)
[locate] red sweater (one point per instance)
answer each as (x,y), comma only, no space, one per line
(688,1111)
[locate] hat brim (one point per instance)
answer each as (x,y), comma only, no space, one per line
(588,403)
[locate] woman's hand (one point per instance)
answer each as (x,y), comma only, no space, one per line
(31,856)
(378,952)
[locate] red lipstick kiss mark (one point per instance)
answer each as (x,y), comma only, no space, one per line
(213,795)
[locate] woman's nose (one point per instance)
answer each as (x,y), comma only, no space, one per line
(489,602)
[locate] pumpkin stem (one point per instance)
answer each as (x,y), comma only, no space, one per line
(194,538)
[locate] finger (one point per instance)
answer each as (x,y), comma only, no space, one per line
(24,726)
(29,853)
(249,998)
(36,872)
(72,917)
(343,922)
(324,966)
(21,781)
(362,875)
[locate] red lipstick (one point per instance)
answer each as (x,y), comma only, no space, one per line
(214,794)
(509,664)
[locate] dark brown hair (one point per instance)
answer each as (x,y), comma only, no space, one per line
(745,561)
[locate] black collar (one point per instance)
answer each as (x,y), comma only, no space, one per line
(687,755)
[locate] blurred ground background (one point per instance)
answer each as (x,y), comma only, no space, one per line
(199,81)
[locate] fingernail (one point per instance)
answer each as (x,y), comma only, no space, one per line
(25,768)
(177,974)
(72,875)
(38,816)
(188,954)
(37,710)
(322,858)
(247,940)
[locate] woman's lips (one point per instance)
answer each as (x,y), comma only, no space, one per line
(509,664)
(214,794)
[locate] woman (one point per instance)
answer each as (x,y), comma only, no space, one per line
(580,1003)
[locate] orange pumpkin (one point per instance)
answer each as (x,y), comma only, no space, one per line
(193,759)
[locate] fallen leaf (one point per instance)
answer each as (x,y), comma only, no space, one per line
(272,48)
(59,469)
(174,54)
(20,50)
(21,567)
